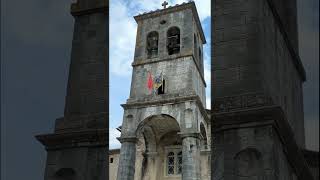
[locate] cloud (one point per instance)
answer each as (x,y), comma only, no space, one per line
(207,69)
(122,38)
(113,142)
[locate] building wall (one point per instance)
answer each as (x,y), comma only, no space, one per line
(113,166)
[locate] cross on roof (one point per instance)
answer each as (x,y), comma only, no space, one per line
(164,4)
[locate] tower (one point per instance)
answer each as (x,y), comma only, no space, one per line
(165,114)
(77,150)
(257,89)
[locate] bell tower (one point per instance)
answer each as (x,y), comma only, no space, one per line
(167,96)
(77,150)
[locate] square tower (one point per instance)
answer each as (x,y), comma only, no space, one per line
(165,114)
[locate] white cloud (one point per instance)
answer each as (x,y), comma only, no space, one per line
(122,39)
(203,8)
(113,142)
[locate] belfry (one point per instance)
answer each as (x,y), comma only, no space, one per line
(166,130)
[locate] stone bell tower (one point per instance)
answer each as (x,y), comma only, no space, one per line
(77,150)
(258,105)
(166,106)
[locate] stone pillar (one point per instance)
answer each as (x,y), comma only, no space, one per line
(127,159)
(191,156)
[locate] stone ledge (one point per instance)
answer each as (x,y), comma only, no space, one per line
(127,139)
(190,134)
(175,100)
(98,137)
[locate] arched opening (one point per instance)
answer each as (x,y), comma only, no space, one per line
(65,174)
(173,40)
(152,44)
(162,156)
(248,162)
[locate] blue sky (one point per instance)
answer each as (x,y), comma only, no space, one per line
(122,43)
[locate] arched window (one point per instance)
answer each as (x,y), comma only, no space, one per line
(173,40)
(170,163)
(179,168)
(152,44)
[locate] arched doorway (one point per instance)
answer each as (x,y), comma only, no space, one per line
(158,154)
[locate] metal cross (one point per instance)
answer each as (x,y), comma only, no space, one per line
(164,4)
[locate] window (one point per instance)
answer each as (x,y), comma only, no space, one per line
(170,163)
(174,163)
(173,40)
(152,44)
(161,88)
(111,160)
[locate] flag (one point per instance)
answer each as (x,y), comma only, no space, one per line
(157,81)
(149,82)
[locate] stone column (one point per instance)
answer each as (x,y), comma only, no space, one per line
(191,156)
(127,158)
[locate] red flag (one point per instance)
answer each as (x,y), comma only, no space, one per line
(150,82)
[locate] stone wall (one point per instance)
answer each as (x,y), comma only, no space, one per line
(181,79)
(253,57)
(281,77)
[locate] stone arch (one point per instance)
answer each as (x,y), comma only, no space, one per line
(149,121)
(154,128)
(173,40)
(248,162)
(65,174)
